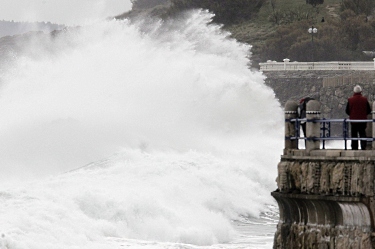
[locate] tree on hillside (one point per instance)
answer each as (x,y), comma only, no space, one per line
(357,32)
(226,11)
(145,4)
(277,48)
(359,6)
(275,16)
(294,42)
(280,15)
(314,2)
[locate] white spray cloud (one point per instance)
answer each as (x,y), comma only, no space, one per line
(113,85)
(68,12)
(195,136)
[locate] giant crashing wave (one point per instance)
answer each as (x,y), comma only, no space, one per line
(182,136)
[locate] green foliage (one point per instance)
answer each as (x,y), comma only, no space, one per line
(359,6)
(280,46)
(333,41)
(226,11)
(289,16)
(357,31)
(340,38)
(145,4)
(314,2)
(283,12)
(277,29)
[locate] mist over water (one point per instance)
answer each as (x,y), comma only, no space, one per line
(178,135)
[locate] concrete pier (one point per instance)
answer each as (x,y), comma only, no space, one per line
(326,197)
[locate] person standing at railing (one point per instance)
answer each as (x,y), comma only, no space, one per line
(358,108)
(302,112)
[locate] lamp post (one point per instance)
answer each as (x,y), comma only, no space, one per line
(312,31)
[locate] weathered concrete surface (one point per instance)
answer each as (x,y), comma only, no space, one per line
(326,176)
(338,86)
(326,199)
(322,222)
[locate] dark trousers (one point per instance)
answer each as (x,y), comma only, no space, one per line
(303,129)
(358,129)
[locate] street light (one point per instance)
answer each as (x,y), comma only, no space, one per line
(312,31)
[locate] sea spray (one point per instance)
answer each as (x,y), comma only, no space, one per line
(182,136)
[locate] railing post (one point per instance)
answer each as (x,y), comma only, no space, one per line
(285,62)
(373,124)
(312,128)
(323,132)
(290,131)
(345,132)
(369,131)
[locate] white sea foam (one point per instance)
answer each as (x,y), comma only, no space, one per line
(183,136)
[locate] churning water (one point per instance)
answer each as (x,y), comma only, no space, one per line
(149,134)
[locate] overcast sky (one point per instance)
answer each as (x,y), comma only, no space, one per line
(69,12)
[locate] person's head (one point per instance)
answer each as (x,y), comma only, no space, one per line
(357,89)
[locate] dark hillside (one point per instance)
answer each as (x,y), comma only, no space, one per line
(277,29)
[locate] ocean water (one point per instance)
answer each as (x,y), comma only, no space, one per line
(145,134)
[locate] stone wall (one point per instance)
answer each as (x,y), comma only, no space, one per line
(325,203)
(326,197)
(294,85)
(331,88)
(321,237)
(326,177)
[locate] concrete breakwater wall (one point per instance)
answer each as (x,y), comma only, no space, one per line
(325,202)
(325,176)
(326,197)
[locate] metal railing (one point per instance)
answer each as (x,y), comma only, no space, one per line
(322,65)
(325,130)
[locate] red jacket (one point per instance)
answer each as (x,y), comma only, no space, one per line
(358,107)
